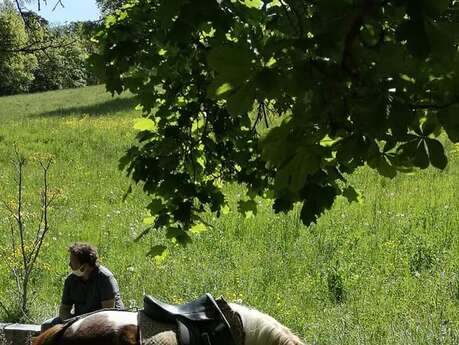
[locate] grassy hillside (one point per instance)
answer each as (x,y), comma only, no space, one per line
(385,270)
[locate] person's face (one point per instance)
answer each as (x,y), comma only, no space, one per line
(74,263)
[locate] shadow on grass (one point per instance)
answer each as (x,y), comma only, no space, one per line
(109,107)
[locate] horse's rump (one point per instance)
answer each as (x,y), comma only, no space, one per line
(49,336)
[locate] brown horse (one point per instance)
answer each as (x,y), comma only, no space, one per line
(121,328)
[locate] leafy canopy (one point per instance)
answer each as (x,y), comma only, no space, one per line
(16,69)
(340,84)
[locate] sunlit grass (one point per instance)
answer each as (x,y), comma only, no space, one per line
(383,271)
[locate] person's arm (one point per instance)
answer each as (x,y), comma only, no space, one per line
(108,303)
(64,312)
(108,292)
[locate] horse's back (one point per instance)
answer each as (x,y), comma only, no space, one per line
(101,328)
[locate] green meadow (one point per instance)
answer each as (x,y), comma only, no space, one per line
(381,271)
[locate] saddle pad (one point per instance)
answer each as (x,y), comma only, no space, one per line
(152,332)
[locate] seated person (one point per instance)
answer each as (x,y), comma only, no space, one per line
(88,288)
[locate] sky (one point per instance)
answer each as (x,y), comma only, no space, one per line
(73,10)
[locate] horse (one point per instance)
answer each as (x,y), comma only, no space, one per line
(121,328)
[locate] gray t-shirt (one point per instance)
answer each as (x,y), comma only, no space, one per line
(88,295)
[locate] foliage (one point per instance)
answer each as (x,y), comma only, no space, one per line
(340,83)
(65,66)
(109,6)
(16,69)
(36,57)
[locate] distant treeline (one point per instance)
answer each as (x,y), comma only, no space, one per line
(35,56)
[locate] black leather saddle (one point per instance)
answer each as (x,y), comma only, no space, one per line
(200,322)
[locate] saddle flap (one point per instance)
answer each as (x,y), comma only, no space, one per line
(200,309)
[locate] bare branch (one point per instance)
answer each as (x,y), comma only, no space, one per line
(17,280)
(34,46)
(45,206)
(19,240)
(59,2)
(8,208)
(19,171)
(432,106)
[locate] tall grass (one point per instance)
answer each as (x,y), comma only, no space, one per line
(382,271)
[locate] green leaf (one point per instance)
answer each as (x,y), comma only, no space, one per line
(247,207)
(437,154)
(268,82)
(382,164)
(155,206)
(385,168)
(329,142)
(174,232)
(167,10)
(232,61)
(430,125)
(224,88)
(283,204)
(157,250)
(144,124)
(449,118)
(293,175)
(183,239)
(421,158)
(414,32)
(225,209)
(400,117)
(318,199)
(109,21)
(275,144)
(442,38)
(198,228)
(148,220)
(221,86)
(159,253)
(241,101)
(436,7)
(351,194)
(253,3)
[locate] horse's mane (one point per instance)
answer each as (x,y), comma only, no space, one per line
(260,328)
(48,336)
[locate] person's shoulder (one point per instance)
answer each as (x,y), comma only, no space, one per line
(104,271)
(70,278)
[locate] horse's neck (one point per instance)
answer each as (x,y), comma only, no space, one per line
(262,329)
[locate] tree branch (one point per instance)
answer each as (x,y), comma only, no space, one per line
(289,18)
(347,62)
(33,47)
(298,16)
(432,106)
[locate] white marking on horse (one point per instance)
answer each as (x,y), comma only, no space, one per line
(260,328)
(118,319)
